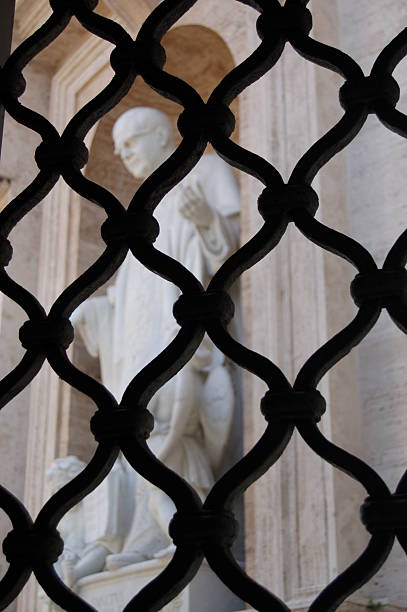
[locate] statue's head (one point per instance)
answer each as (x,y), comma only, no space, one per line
(144,139)
(62,471)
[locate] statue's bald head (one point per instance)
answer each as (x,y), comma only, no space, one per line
(140,120)
(144,139)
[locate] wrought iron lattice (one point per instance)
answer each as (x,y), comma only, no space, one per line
(198,529)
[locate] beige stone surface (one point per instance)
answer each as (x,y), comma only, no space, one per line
(376,186)
(310,512)
(17,167)
(285,319)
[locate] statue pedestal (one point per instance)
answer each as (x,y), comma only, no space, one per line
(111,591)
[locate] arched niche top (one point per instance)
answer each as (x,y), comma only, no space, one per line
(199,55)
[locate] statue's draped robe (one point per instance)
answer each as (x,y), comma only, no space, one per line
(133,323)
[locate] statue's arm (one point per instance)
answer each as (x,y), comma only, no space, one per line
(181,412)
(211,201)
(85,320)
(220,239)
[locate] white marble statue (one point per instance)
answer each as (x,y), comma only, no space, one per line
(90,530)
(71,526)
(133,322)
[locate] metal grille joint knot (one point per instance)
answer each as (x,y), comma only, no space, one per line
(380,515)
(130,227)
(28,546)
(380,285)
(204,307)
(122,423)
(293,406)
(371,92)
(49,331)
(287,199)
(204,528)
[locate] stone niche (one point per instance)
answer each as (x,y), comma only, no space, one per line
(199,56)
(77,68)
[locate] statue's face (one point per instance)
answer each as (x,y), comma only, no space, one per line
(141,153)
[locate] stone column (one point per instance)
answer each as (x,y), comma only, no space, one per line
(6,29)
(376,188)
(18,168)
(48,427)
(298,297)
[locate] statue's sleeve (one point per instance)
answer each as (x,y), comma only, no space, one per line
(86,320)
(220,239)
(221,190)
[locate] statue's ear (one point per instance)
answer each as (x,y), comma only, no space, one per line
(162,135)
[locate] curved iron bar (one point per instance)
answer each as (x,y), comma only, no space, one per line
(338,137)
(394,120)
(56,507)
(251,467)
(223,564)
(397,256)
(11,91)
(92,279)
(21,376)
(380,545)
(58,591)
(248,72)
(325,56)
(167,268)
(334,241)
(12,584)
(391,55)
(21,296)
(402,490)
(266,239)
(356,575)
(27,200)
(170,582)
(337,347)
(94,390)
(146,463)
(395,262)
(169,174)
(249,162)
(16,575)
(251,361)
(73,492)
(164,367)
(93,192)
(344,461)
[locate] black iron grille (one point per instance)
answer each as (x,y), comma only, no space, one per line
(199,530)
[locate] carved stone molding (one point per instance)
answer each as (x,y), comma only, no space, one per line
(30,16)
